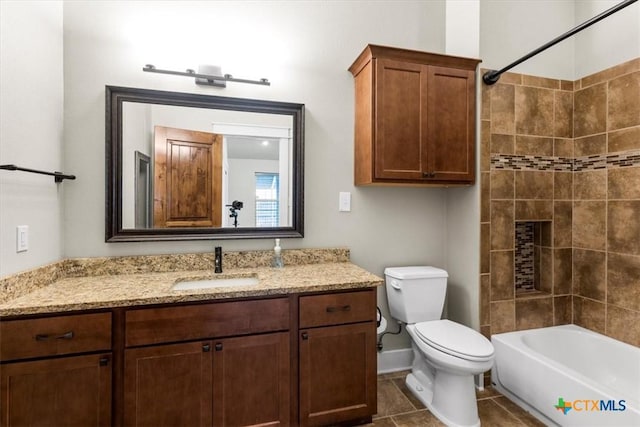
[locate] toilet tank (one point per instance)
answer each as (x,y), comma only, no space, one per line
(416,294)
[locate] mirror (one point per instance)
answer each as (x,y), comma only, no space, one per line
(185,166)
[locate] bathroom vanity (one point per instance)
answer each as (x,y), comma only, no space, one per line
(298,348)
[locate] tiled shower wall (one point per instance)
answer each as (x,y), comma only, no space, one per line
(569,153)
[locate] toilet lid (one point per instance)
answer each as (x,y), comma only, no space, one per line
(415,272)
(455,339)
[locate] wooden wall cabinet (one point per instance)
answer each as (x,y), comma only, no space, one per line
(337,354)
(414,118)
(74,390)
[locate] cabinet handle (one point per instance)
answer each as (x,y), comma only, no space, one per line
(104,361)
(206,348)
(305,336)
(428,174)
(46,337)
(219,346)
(65,336)
(333,309)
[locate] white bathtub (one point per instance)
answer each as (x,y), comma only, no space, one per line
(537,367)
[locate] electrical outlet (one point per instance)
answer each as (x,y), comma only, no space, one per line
(22,238)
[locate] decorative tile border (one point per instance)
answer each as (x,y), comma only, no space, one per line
(608,161)
(566,164)
(538,163)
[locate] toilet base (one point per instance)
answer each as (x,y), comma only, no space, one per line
(450,398)
(454,406)
(422,393)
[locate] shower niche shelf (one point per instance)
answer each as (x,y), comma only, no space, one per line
(533,258)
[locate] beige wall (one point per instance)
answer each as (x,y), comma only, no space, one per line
(31,127)
(590,265)
(611,41)
(511,29)
(305,49)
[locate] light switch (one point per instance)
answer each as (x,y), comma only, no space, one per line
(344,204)
(22,238)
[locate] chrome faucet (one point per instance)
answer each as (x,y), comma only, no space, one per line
(217,263)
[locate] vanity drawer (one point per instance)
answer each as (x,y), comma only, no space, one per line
(338,308)
(215,320)
(52,336)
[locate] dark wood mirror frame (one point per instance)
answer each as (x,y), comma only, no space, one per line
(116,96)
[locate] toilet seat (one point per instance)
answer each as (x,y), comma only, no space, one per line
(455,339)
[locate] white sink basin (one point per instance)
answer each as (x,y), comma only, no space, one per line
(182,285)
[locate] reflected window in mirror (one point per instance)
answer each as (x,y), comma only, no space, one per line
(268,200)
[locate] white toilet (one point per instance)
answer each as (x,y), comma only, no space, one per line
(447,355)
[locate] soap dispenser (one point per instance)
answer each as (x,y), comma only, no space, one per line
(277,256)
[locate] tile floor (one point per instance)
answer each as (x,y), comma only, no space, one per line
(398,408)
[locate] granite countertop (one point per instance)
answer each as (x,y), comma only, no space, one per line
(120,290)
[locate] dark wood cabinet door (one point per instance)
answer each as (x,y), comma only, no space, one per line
(168,385)
(337,374)
(425,123)
(399,120)
(251,380)
(69,391)
(450,109)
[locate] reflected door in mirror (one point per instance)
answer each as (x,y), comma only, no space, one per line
(187,178)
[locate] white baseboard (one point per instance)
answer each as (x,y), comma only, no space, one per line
(394,360)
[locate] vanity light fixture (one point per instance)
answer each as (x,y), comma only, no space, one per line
(204,76)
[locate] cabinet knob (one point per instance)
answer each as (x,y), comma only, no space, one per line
(428,174)
(305,336)
(104,361)
(219,346)
(206,348)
